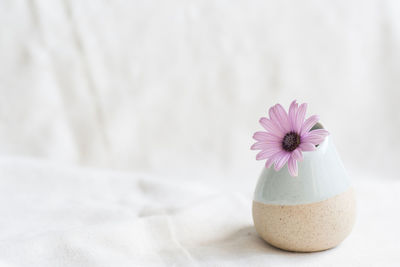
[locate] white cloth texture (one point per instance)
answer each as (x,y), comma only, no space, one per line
(125,126)
(53,215)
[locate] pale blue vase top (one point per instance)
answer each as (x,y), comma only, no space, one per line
(321,175)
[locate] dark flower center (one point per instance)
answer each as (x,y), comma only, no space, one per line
(291,141)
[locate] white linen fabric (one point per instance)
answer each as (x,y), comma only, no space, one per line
(53,215)
(125,126)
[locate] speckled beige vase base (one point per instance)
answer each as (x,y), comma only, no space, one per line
(308,227)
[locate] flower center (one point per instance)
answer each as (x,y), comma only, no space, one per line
(291,141)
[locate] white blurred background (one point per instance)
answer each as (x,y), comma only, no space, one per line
(168,86)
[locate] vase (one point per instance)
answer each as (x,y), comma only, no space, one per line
(311,212)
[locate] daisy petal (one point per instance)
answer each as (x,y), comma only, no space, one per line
(269,162)
(282,161)
(301,114)
(297,155)
(260,136)
(308,124)
(315,137)
(265,145)
(283,117)
(322,132)
(307,147)
(264,154)
(292,115)
(292,165)
(271,127)
(259,146)
(267,137)
(277,155)
(275,117)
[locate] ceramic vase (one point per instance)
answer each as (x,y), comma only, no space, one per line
(311,212)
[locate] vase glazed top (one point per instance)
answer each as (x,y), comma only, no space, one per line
(321,175)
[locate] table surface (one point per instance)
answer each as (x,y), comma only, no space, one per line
(54,215)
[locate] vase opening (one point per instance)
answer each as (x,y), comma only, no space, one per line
(317,126)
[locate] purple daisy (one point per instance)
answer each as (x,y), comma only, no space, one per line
(287,136)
